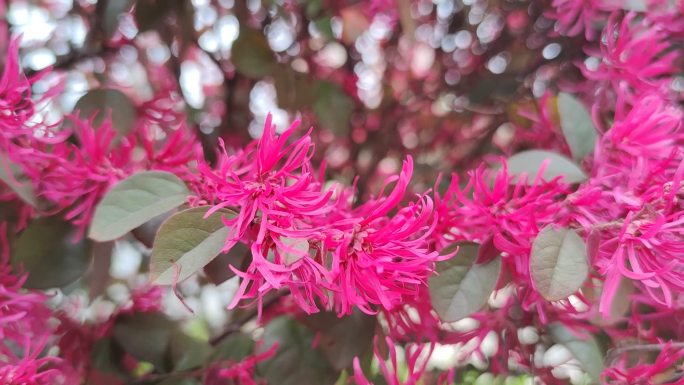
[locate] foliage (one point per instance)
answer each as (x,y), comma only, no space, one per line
(341,192)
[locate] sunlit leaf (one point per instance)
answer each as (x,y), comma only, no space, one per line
(462,287)
(295,362)
(583,347)
(578,128)
(529,162)
(134,201)
(105,101)
(46,251)
(187,242)
(558,264)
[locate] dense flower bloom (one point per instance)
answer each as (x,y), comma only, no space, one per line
(510,210)
(575,17)
(633,201)
(635,59)
(278,193)
(73,177)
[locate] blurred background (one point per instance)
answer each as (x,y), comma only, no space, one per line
(377,79)
(447,81)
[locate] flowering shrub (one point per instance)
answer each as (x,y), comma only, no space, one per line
(342,192)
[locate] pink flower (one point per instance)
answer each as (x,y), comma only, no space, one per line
(633,201)
(17,107)
(511,211)
(636,58)
(384,261)
(278,195)
(576,16)
(74,177)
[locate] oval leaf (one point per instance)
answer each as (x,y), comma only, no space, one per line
(45,249)
(342,339)
(530,162)
(462,286)
(295,362)
(577,126)
(103,101)
(146,336)
(134,201)
(187,242)
(558,264)
(15,180)
(251,54)
(583,347)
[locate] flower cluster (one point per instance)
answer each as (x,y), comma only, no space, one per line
(308,238)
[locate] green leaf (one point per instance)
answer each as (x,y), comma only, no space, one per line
(577,126)
(251,54)
(584,348)
(234,348)
(46,250)
(187,242)
(530,162)
(147,337)
(134,201)
(324,26)
(15,180)
(558,264)
(101,102)
(295,362)
(344,338)
(188,352)
(463,287)
(104,356)
(333,107)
